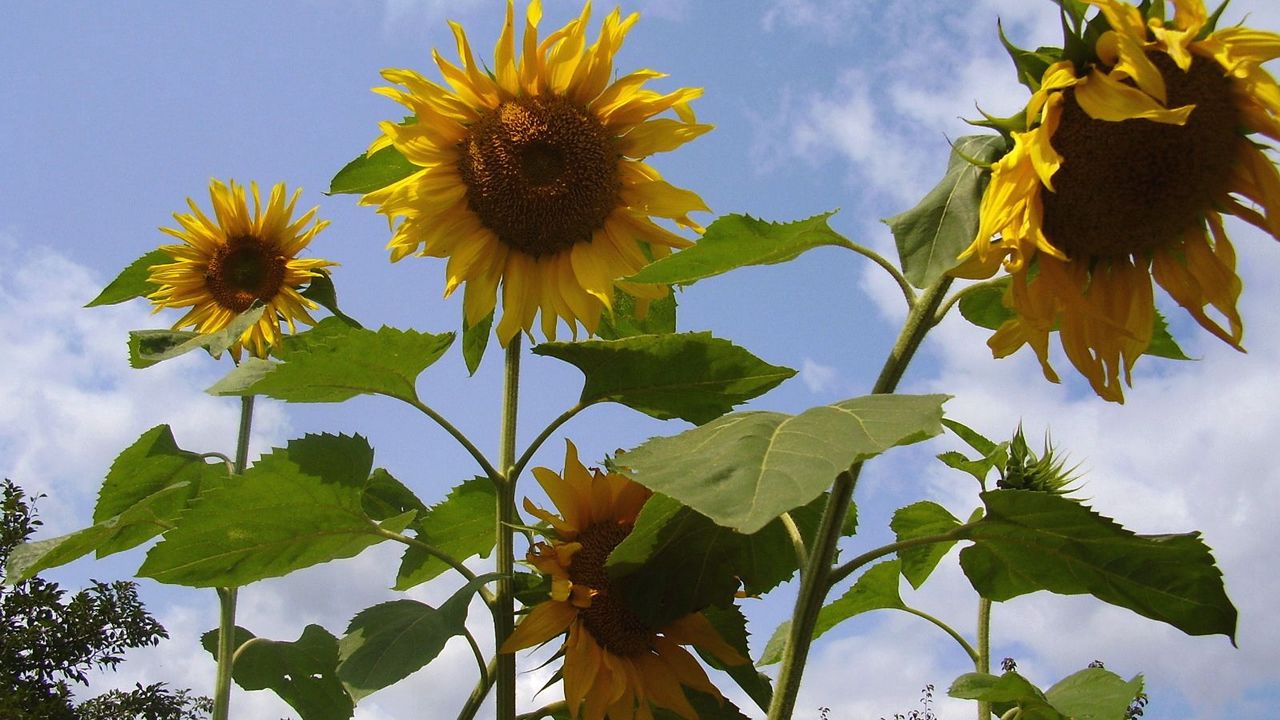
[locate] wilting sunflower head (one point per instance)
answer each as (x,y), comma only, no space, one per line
(1131,153)
(227,263)
(615,664)
(532,177)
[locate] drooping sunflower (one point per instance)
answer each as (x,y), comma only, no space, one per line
(227,263)
(615,665)
(1128,162)
(532,176)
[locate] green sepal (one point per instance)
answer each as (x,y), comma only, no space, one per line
(303,672)
(691,376)
(322,291)
(745,469)
(390,641)
(931,235)
(295,507)
(625,322)
(735,241)
(132,282)
(367,173)
(148,347)
(461,525)
(1030,65)
(918,520)
(1029,541)
(334,361)
(1211,25)
(475,340)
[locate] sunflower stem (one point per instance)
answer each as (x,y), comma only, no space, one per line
(227,595)
(982,663)
(814,583)
(504,617)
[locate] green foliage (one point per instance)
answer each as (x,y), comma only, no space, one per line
(475,340)
(390,641)
(624,321)
(296,507)
(1006,691)
(875,589)
(321,290)
(931,235)
(735,241)
(149,485)
(731,625)
(461,525)
(334,361)
(148,347)
(1030,541)
(132,281)
(984,306)
(49,641)
(1091,694)
(1029,65)
(304,673)
(367,173)
(919,520)
(692,376)
(745,469)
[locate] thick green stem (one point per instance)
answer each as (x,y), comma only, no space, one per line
(983,662)
(227,595)
(504,615)
(814,582)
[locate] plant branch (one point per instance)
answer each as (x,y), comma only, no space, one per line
(436,552)
(973,654)
(908,292)
(470,447)
(477,696)
(565,417)
(961,294)
(797,540)
(475,650)
(545,711)
(844,570)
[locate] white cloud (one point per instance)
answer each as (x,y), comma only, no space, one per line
(818,378)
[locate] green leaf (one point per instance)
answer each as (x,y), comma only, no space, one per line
(321,290)
(148,347)
(676,561)
(1010,689)
(295,507)
(1032,541)
(623,322)
(731,625)
(386,497)
(334,362)
(692,376)
(475,339)
(388,642)
(922,519)
(532,588)
(461,525)
(735,241)
(132,281)
(1094,694)
(1162,344)
(932,235)
(745,469)
(972,437)
(303,673)
(31,558)
(875,589)
(368,172)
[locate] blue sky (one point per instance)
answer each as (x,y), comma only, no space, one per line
(113,114)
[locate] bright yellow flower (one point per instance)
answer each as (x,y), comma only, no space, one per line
(532,175)
(615,665)
(235,259)
(1122,176)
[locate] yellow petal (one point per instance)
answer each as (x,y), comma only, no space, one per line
(544,622)
(1105,98)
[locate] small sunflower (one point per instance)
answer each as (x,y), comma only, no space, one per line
(615,665)
(532,176)
(228,263)
(1126,167)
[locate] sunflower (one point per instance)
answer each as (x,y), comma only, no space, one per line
(615,664)
(1128,162)
(532,176)
(228,263)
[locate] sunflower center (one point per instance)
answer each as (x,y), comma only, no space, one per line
(244,270)
(1129,187)
(610,620)
(541,172)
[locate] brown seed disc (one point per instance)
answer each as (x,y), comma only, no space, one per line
(244,270)
(610,620)
(1129,187)
(541,172)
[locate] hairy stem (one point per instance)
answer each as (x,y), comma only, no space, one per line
(504,616)
(814,583)
(982,663)
(227,595)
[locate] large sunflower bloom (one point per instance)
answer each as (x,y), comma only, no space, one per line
(615,665)
(1122,176)
(227,263)
(531,176)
